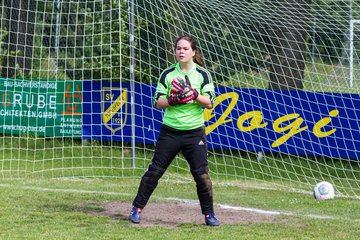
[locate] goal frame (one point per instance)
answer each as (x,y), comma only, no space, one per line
(351,62)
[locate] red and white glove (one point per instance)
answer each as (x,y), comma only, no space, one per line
(178,84)
(193,92)
(182,92)
(177,99)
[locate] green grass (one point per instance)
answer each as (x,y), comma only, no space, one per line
(51,187)
(62,209)
(28,157)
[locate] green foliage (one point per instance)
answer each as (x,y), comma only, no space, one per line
(3,34)
(331,28)
(3,51)
(92,39)
(154,37)
(232,43)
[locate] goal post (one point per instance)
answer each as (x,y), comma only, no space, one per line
(78,79)
(351,61)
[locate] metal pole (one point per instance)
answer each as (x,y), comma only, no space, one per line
(57,33)
(313,42)
(351,66)
(351,39)
(132,83)
(351,10)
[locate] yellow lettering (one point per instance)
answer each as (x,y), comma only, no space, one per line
(208,113)
(292,128)
(255,122)
(322,123)
(109,96)
(289,124)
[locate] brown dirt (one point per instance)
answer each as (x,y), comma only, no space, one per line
(171,214)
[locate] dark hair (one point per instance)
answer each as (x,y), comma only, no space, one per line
(198,58)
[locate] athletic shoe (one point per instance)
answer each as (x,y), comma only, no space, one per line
(135,215)
(211,220)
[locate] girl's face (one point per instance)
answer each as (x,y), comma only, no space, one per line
(184,53)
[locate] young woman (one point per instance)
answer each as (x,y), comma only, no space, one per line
(183,90)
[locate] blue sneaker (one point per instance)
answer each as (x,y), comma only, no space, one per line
(211,220)
(135,215)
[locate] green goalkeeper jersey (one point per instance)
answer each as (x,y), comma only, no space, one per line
(186,116)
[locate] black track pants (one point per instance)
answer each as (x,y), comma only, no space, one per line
(192,143)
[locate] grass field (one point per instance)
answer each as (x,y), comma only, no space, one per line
(54,189)
(41,208)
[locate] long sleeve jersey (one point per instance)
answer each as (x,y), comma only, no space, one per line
(186,116)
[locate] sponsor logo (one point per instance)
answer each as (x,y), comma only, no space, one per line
(114,108)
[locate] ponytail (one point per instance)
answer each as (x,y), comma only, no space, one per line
(198,58)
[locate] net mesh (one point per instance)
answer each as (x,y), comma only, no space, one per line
(53,53)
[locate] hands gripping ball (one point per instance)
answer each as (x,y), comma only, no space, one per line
(324,190)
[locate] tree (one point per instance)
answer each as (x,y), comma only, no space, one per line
(19,18)
(287,44)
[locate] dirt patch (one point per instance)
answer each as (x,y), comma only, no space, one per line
(171,214)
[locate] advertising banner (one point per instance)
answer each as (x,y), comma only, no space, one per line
(291,122)
(107,112)
(41,107)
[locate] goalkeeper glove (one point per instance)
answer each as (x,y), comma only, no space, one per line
(181,98)
(182,92)
(178,84)
(195,93)
(183,87)
(173,100)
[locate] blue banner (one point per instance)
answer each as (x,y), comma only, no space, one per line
(291,122)
(107,112)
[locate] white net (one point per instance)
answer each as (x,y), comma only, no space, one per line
(286,75)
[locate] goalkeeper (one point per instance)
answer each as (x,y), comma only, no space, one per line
(183,90)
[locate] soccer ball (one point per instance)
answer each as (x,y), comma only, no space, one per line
(324,190)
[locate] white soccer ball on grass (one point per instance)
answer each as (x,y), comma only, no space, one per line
(323,191)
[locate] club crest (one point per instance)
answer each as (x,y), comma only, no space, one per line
(114,108)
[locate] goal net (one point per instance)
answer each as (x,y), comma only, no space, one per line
(354,59)
(78,77)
